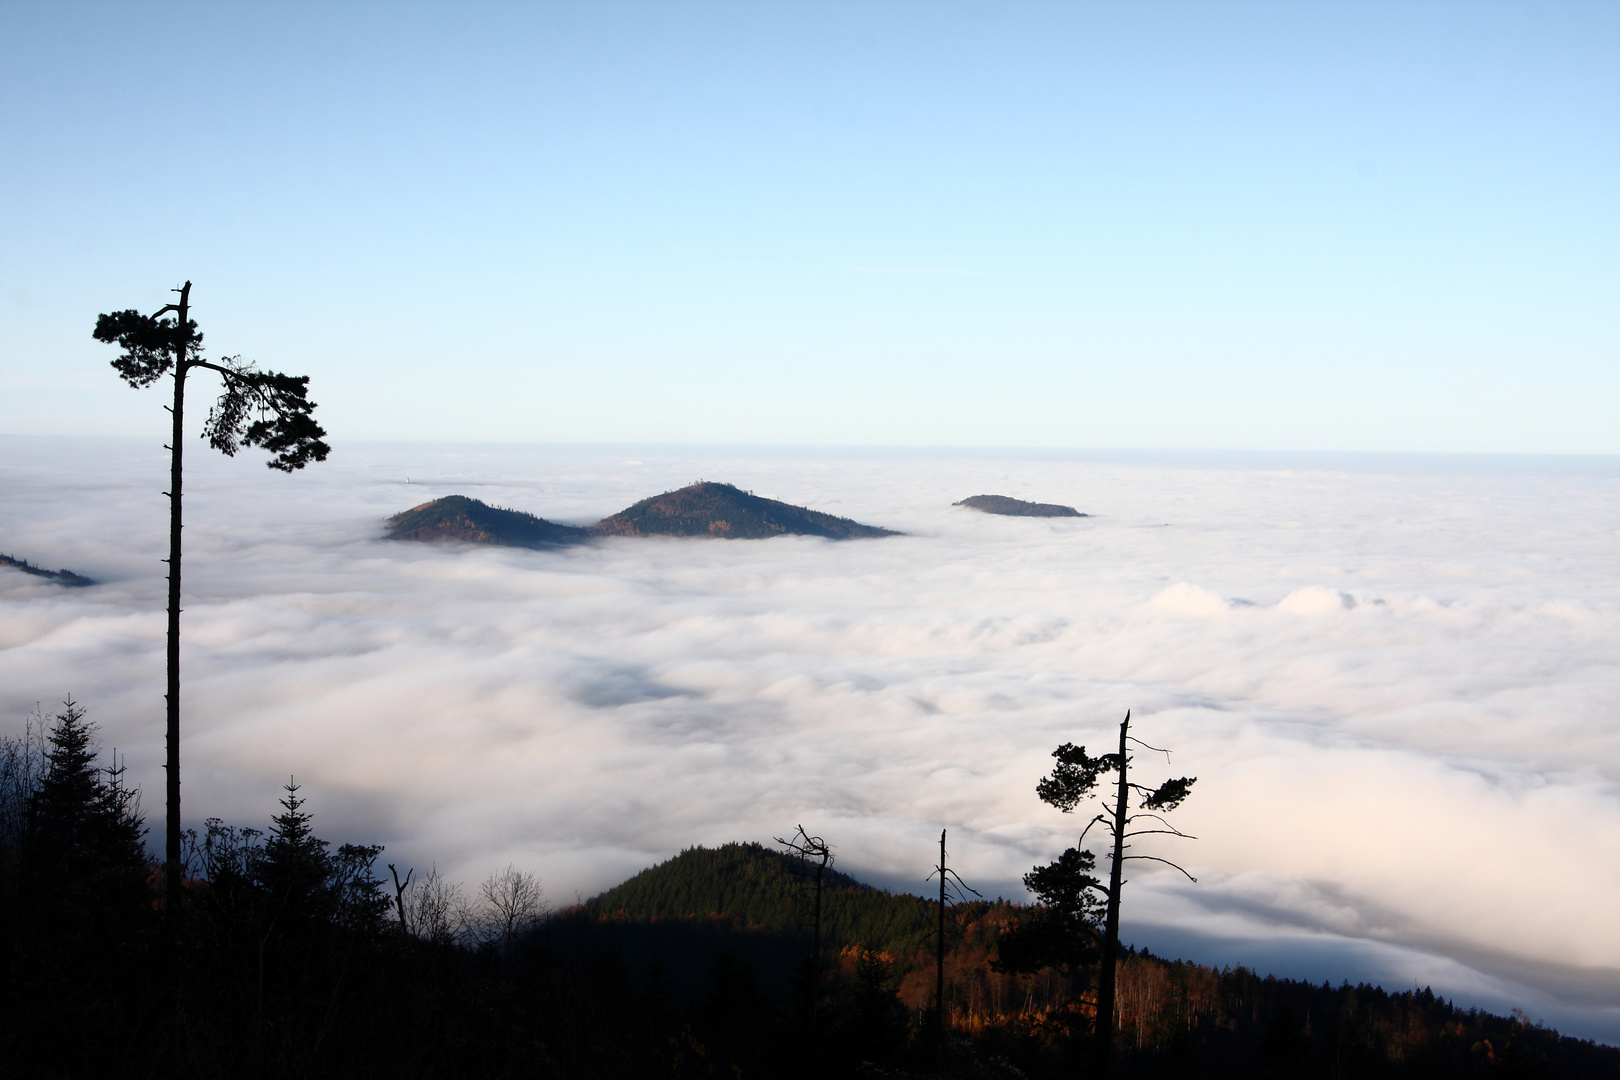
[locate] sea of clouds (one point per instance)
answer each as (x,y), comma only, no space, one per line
(1396,679)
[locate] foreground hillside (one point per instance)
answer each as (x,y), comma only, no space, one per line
(290,957)
(1175,1018)
(720,510)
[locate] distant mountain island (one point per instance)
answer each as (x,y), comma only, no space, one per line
(707,508)
(456,517)
(61,577)
(1001,504)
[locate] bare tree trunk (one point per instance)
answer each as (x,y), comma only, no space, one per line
(1103,1046)
(172,697)
(939,955)
(820,870)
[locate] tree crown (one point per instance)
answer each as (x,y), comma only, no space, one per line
(149,343)
(256,408)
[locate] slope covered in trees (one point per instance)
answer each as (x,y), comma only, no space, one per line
(764,889)
(1010,507)
(708,508)
(456,517)
(61,577)
(702,509)
(1173,1018)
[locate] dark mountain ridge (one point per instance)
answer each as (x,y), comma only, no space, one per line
(709,508)
(456,517)
(61,577)
(706,508)
(1003,504)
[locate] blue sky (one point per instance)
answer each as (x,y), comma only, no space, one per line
(1242,226)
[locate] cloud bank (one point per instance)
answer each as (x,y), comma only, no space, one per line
(1395,680)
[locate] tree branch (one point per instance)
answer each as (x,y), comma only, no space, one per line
(1155,749)
(264,408)
(1087,829)
(1167,862)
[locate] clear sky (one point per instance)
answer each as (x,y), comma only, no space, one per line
(1220,225)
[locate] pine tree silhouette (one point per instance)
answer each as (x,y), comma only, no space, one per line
(84,847)
(295,865)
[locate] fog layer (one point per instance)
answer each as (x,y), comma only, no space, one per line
(1396,679)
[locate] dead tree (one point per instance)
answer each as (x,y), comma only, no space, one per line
(257,408)
(814,853)
(952,890)
(1074,778)
(399,897)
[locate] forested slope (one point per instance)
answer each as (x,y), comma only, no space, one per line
(289,958)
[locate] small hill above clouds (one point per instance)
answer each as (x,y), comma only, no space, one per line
(1002,504)
(721,510)
(702,509)
(456,517)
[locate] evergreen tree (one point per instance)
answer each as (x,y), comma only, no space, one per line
(294,864)
(84,846)
(74,901)
(1062,930)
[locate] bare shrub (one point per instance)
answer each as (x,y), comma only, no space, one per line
(22,767)
(512,904)
(436,910)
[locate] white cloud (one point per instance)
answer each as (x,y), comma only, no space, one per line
(1185,599)
(1423,784)
(1313,599)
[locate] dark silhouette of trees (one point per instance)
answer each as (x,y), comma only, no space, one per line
(74,893)
(81,840)
(1067,888)
(256,408)
(287,966)
(305,882)
(1061,930)
(293,864)
(435,911)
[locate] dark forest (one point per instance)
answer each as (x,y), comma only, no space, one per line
(292,957)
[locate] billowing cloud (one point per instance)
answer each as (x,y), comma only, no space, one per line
(1397,686)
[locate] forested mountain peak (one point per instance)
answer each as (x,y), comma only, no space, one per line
(706,508)
(457,517)
(709,508)
(766,889)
